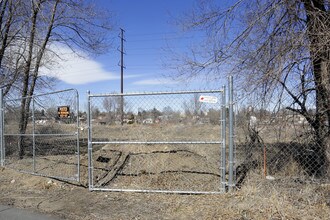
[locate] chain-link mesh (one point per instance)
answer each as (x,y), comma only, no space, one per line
(156,142)
(39,139)
(280,144)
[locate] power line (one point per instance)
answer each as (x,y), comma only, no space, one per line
(167,33)
(155,33)
(162,39)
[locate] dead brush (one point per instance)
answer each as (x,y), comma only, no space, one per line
(284,198)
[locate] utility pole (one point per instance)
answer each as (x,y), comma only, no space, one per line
(122,74)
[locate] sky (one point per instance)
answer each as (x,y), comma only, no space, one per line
(149,29)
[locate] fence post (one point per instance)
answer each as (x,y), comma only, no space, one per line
(89,118)
(231,136)
(2,130)
(33,136)
(223,135)
(78,136)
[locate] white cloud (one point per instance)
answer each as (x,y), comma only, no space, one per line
(155,82)
(74,69)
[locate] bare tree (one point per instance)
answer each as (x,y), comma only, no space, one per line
(116,107)
(193,106)
(12,22)
(112,105)
(29,28)
(275,48)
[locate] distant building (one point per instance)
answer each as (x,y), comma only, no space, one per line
(147,121)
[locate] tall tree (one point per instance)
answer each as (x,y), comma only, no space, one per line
(29,29)
(274,48)
(193,107)
(112,105)
(12,21)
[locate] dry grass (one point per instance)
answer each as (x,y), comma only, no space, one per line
(285,198)
(258,199)
(289,196)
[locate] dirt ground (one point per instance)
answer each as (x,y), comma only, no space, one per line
(282,198)
(263,199)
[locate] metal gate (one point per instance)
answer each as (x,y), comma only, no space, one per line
(43,139)
(171,142)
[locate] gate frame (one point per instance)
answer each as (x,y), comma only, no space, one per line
(224,183)
(33,135)
(2,146)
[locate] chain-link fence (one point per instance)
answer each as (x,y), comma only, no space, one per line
(40,135)
(280,144)
(158,142)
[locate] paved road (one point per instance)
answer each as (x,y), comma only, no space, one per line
(11,213)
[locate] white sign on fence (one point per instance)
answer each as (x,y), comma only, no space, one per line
(208,99)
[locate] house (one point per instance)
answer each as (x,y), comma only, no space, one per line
(147,121)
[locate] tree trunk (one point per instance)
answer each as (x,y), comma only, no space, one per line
(24,112)
(318,22)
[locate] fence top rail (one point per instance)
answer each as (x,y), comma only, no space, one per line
(156,93)
(156,142)
(44,94)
